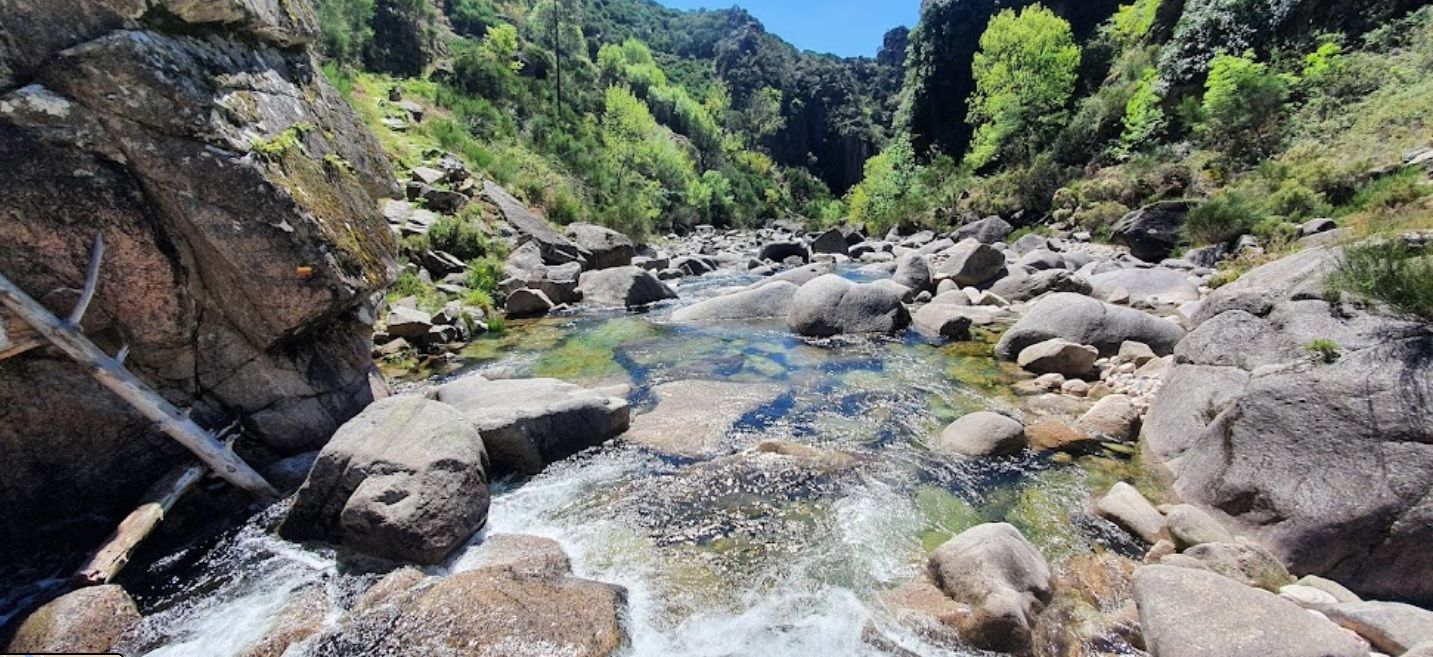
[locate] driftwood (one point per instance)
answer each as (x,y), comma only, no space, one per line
(114,555)
(110,372)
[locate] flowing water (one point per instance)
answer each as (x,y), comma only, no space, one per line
(733,555)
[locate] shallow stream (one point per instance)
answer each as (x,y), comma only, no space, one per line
(724,556)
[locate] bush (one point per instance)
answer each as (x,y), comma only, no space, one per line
(460,237)
(1405,186)
(1390,272)
(1323,350)
(1293,201)
(1243,107)
(1220,219)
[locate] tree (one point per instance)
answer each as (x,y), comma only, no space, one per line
(346,26)
(1025,74)
(762,117)
(1243,107)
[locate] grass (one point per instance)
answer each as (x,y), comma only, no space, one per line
(1323,350)
(1390,272)
(1221,219)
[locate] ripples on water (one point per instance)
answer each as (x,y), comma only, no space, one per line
(738,555)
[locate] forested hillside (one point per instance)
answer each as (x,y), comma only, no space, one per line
(619,111)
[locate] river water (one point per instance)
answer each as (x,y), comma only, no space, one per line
(733,555)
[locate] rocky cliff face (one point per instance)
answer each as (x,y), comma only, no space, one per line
(236,192)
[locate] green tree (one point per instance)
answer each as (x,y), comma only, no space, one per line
(763,117)
(1144,118)
(1025,74)
(1243,107)
(346,27)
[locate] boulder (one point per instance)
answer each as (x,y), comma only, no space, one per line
(1020,286)
(1152,231)
(1059,357)
(1338,591)
(301,617)
(239,272)
(800,275)
(1116,417)
(556,249)
(1040,260)
(944,321)
(913,271)
(1083,320)
(780,251)
(1155,285)
(1050,435)
(87,620)
(520,599)
(772,300)
(608,247)
(986,231)
(1296,277)
(1128,508)
(1391,627)
(1190,526)
(1192,396)
(525,263)
(409,323)
(1244,561)
(529,423)
(831,241)
(527,302)
(982,433)
(972,263)
(693,417)
(1003,580)
(831,305)
(1186,612)
(623,286)
(407,479)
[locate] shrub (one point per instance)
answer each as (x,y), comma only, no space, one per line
(484,273)
(1243,106)
(1405,186)
(1293,201)
(1220,219)
(1391,272)
(1323,350)
(458,236)
(1143,119)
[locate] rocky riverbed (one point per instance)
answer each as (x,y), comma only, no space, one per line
(800,444)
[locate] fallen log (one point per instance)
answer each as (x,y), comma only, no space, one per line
(137,526)
(65,335)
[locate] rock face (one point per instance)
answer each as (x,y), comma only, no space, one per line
(831,305)
(1155,285)
(1001,577)
(1391,627)
(1328,465)
(406,480)
(982,434)
(771,300)
(528,423)
(1083,320)
(1152,232)
(623,286)
(89,620)
(556,249)
(521,599)
(204,144)
(608,247)
(1186,612)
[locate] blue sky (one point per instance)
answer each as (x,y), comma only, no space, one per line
(845,27)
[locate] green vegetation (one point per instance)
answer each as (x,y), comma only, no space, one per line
(1220,219)
(1391,272)
(1323,350)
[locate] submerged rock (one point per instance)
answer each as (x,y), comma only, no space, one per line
(831,305)
(88,620)
(693,417)
(405,480)
(529,423)
(1000,577)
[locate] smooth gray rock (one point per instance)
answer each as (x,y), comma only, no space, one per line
(1002,577)
(972,263)
(407,479)
(982,433)
(1128,508)
(1153,231)
(1245,561)
(944,321)
(1020,286)
(1041,259)
(913,271)
(1192,396)
(410,323)
(529,423)
(772,300)
(800,275)
(1338,591)
(623,286)
(527,302)
(831,305)
(555,247)
(1155,285)
(1084,320)
(1190,526)
(986,231)
(1186,612)
(1059,357)
(1114,416)
(1299,276)
(831,241)
(608,247)
(1391,627)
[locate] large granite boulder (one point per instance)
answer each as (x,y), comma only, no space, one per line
(773,300)
(1326,464)
(236,192)
(87,620)
(1153,231)
(780,251)
(1080,319)
(519,598)
(831,305)
(1022,286)
(971,263)
(556,248)
(982,433)
(628,286)
(832,241)
(1001,577)
(986,231)
(405,480)
(913,271)
(608,247)
(1189,612)
(529,423)
(1154,285)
